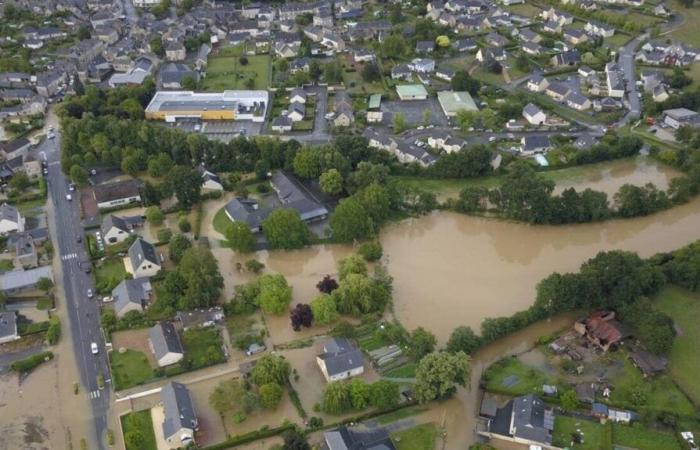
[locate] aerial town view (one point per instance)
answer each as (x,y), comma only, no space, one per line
(349,224)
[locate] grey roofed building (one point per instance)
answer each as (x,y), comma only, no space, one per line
(142,250)
(164,340)
(340,356)
(343,438)
(126,224)
(282,123)
(23,280)
(425,46)
(131,294)
(172,74)
(535,142)
(531,110)
(8,326)
(178,410)
(524,418)
(246,211)
(584,141)
(294,196)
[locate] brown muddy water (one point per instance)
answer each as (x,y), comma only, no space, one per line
(451,269)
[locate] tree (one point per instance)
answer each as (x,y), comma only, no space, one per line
(199,272)
(394,46)
(19,181)
(253,265)
(177,247)
(189,83)
(422,342)
(186,184)
(324,310)
(154,215)
(569,401)
(371,251)
(108,320)
(385,394)
(301,316)
(284,229)
(351,264)
(331,182)
(492,65)
(294,440)
(442,41)
(359,294)
(370,73)
(270,369)
(311,162)
(337,397)
(399,122)
(437,374)
(156,45)
(463,339)
(350,221)
(327,285)
(44,284)
(462,81)
(275,294)
(240,238)
(359,393)
(522,63)
(365,174)
(270,395)
(79,175)
(228,396)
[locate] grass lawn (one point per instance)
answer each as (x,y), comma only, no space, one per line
(525,9)
(130,368)
(594,434)
(694,73)
(643,438)
(6,264)
(227,72)
(421,437)
(684,365)
(407,371)
(44,303)
(202,347)
(401,414)
(510,376)
(617,40)
(139,422)
(29,208)
(108,274)
(688,31)
(221,221)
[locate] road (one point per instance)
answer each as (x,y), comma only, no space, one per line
(84,313)
(626,61)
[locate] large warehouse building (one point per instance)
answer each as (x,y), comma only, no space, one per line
(228,105)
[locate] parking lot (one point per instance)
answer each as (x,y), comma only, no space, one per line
(413,112)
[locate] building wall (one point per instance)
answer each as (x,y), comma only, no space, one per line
(342,376)
(116,234)
(146,269)
(119,201)
(131,306)
(170,358)
(204,115)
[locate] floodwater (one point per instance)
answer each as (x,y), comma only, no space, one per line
(451,269)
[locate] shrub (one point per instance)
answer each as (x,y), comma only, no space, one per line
(184,225)
(371,251)
(164,235)
(26,365)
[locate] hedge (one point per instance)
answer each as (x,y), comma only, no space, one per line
(26,365)
(249,437)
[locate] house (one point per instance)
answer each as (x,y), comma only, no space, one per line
(210,181)
(363,55)
(142,259)
(537,83)
(165,344)
(142,67)
(464,45)
(534,115)
(23,281)
(340,359)
(296,111)
(116,229)
(677,117)
(15,148)
(586,71)
(524,420)
(498,54)
(602,330)
(615,80)
(567,58)
(10,219)
(342,108)
(132,295)
(551,26)
(584,141)
(281,124)
(117,194)
(648,363)
(574,36)
(422,65)
(445,74)
(344,438)
(577,101)
(175,51)
(411,92)
(25,251)
(496,40)
(537,143)
(401,72)
(297,95)
(291,195)
(8,326)
(247,211)
(172,74)
(425,46)
(527,35)
(531,48)
(452,102)
(557,91)
(200,318)
(599,29)
(179,417)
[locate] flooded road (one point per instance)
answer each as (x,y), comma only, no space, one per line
(451,269)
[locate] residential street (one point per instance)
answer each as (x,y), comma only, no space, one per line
(84,314)
(627,63)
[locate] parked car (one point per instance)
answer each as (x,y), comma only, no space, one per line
(89,293)
(69,197)
(254,348)
(94,349)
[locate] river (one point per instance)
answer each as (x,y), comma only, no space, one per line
(451,269)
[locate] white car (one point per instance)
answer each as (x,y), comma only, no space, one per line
(69,197)
(71,187)
(94,349)
(51,135)
(492,139)
(89,293)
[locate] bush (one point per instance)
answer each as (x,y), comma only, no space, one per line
(54,330)
(184,225)
(371,251)
(26,365)
(164,235)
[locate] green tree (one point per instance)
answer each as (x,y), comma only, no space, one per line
(360,393)
(270,395)
(350,221)
(200,272)
(422,342)
(331,182)
(154,215)
(44,284)
(311,162)
(284,229)
(19,181)
(156,45)
(240,238)
(337,398)
(270,369)
(399,122)
(177,247)
(79,175)
(359,294)
(371,251)
(394,46)
(275,294)
(186,184)
(463,339)
(437,374)
(462,81)
(384,394)
(569,401)
(294,440)
(189,83)
(351,264)
(324,309)
(370,73)
(231,396)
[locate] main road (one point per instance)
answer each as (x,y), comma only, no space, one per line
(84,313)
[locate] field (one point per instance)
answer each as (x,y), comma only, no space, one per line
(510,376)
(137,424)
(421,437)
(684,307)
(225,71)
(643,438)
(593,433)
(130,368)
(688,31)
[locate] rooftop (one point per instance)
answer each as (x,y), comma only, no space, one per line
(453,101)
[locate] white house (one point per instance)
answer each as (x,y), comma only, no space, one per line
(116,229)
(534,115)
(165,344)
(179,418)
(10,219)
(142,259)
(340,360)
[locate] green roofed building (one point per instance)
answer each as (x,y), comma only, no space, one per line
(452,101)
(412,92)
(375,101)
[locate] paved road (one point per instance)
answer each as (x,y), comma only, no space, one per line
(484,137)
(84,314)
(627,63)
(129,12)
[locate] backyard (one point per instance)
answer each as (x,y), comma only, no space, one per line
(421,437)
(203,347)
(108,274)
(510,376)
(641,438)
(232,70)
(138,431)
(130,368)
(684,365)
(688,31)
(593,435)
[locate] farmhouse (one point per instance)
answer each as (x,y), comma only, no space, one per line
(534,115)
(116,229)
(525,420)
(131,295)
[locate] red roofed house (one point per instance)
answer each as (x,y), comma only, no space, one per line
(601,329)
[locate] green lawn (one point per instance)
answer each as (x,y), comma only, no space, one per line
(661,393)
(510,376)
(202,347)
(130,368)
(226,72)
(221,221)
(6,264)
(641,438)
(594,434)
(688,31)
(108,274)
(525,9)
(406,371)
(684,365)
(140,424)
(44,303)
(421,437)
